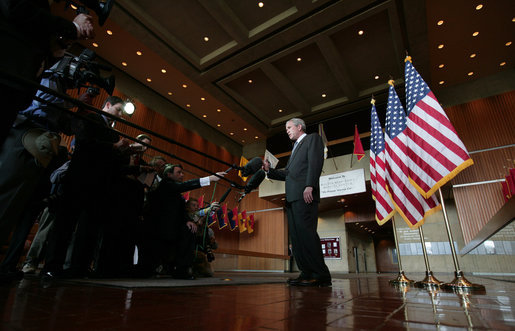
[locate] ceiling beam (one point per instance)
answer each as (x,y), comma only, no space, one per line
(227,19)
(334,60)
(286,87)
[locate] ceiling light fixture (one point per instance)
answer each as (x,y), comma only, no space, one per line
(124,64)
(203,99)
(219,110)
(139,53)
(361,32)
(244,129)
(478,7)
(243,140)
(299,59)
(470,73)
(324,95)
(109,32)
(440,22)
(441,82)
(204,115)
(502,64)
(256,137)
(184,86)
(441,66)
(260,4)
(149,80)
(508,43)
(280,110)
(129,107)
(440,46)
(73,6)
(94,44)
(170,93)
(206,38)
(250,81)
(475,34)
(473,55)
(376,77)
(218,125)
(163,71)
(231,133)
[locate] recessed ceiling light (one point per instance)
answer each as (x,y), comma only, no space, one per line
(441,82)
(204,115)
(250,81)
(513,19)
(184,85)
(256,137)
(139,53)
(94,44)
(508,43)
(440,22)
(206,38)
(231,133)
(219,125)
(219,110)
(440,46)
(441,66)
(109,32)
(473,55)
(299,59)
(260,4)
(243,140)
(376,77)
(149,80)
(280,110)
(360,32)
(170,93)
(163,71)
(124,64)
(478,7)
(203,99)
(324,95)
(502,64)
(475,34)
(73,6)
(188,105)
(244,129)
(470,73)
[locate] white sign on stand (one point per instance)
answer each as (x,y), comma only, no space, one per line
(342,183)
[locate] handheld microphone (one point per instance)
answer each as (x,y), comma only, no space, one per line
(253,183)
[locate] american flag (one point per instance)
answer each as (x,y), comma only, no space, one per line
(436,153)
(407,200)
(384,206)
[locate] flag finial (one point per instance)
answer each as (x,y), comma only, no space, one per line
(373,101)
(408,58)
(391,82)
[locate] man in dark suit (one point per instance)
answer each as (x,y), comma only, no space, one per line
(302,174)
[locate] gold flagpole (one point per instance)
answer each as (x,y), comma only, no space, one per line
(401,279)
(459,280)
(429,280)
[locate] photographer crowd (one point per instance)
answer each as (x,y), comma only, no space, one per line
(100,207)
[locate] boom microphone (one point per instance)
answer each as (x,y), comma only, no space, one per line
(253,183)
(222,199)
(250,168)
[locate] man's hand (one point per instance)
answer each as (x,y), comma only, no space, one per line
(122,145)
(85,26)
(215,206)
(308,194)
(214,178)
(266,165)
(192,226)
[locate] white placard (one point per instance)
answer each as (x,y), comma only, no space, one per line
(342,183)
(271,158)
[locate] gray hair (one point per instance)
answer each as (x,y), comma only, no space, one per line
(298,121)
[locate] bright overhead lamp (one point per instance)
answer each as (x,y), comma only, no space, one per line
(129,107)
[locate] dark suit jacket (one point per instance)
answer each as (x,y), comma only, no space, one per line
(166,209)
(303,169)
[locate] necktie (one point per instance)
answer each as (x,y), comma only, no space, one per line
(294,146)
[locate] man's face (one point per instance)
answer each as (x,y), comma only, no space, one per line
(160,166)
(192,206)
(115,110)
(177,174)
(293,131)
(142,148)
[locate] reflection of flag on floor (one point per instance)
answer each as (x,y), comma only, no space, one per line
(222,217)
(436,153)
(242,220)
(358,147)
(384,205)
(250,223)
(232,216)
(407,200)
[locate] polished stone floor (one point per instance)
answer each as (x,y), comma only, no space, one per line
(354,302)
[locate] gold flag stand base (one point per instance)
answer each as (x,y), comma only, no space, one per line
(460,282)
(429,281)
(401,280)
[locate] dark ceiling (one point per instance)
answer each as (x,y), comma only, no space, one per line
(248,70)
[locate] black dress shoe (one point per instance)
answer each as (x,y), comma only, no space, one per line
(314,282)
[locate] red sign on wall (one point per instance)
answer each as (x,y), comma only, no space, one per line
(331,247)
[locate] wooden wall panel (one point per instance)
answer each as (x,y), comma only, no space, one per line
(483,124)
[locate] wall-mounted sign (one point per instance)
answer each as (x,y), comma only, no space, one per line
(342,183)
(331,247)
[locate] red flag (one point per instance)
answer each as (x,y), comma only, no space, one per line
(186,196)
(436,153)
(410,204)
(505,190)
(510,179)
(384,206)
(250,223)
(233,218)
(358,147)
(201,201)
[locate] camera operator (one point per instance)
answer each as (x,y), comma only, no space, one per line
(31,36)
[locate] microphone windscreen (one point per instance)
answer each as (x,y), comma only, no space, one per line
(255,181)
(250,168)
